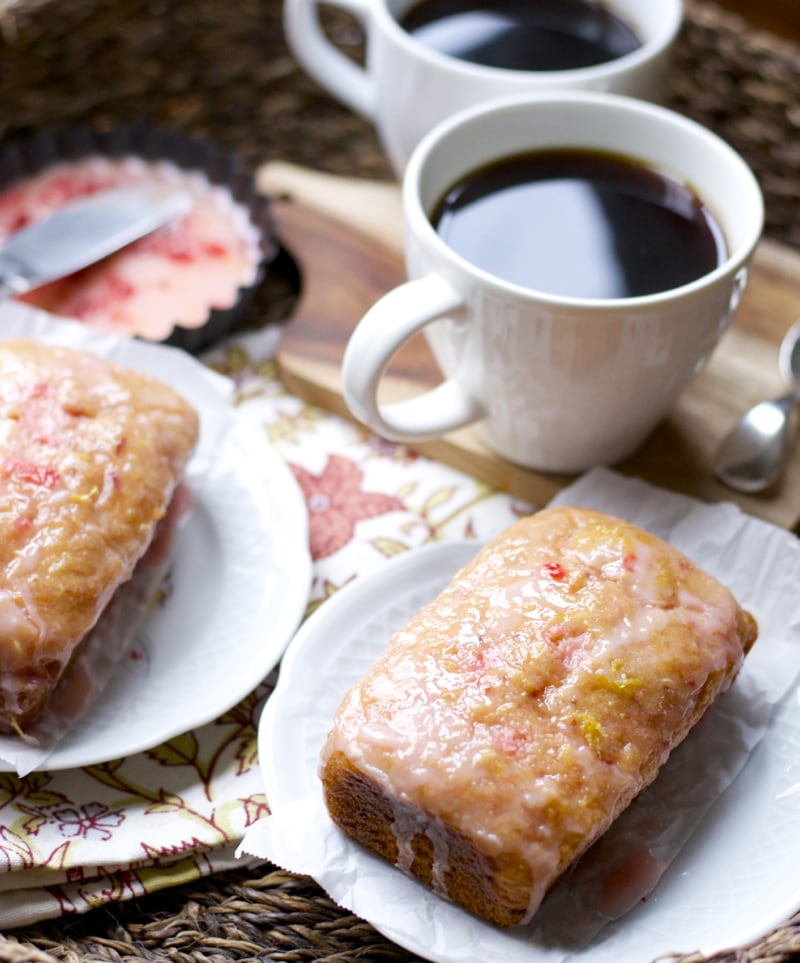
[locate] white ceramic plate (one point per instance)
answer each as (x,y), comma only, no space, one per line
(734,880)
(240,572)
(239,587)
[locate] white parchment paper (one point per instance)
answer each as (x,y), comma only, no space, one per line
(618,904)
(207,391)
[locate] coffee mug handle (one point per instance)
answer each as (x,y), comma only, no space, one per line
(322,60)
(382,331)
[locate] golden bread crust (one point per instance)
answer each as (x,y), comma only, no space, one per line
(496,889)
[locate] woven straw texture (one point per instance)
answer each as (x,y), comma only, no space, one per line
(221,69)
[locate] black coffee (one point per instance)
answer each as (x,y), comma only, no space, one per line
(580,224)
(522,34)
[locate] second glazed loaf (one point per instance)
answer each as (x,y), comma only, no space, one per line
(90,456)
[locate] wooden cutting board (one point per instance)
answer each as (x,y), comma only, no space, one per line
(346,236)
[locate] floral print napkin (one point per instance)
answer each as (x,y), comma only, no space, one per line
(73,840)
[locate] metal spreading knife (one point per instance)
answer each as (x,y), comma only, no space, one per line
(85,232)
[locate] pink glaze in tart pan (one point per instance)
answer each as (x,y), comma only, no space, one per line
(186,283)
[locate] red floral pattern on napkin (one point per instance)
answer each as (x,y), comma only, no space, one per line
(336,502)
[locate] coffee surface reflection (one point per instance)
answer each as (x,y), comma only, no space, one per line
(580,224)
(522,34)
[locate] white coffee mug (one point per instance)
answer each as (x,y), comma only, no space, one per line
(405,87)
(555,383)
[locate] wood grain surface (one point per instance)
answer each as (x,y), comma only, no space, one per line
(347,238)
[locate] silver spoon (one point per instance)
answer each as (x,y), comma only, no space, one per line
(751,458)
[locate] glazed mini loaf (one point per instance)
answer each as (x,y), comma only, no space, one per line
(90,456)
(513,719)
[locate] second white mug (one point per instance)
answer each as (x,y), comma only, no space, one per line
(406,86)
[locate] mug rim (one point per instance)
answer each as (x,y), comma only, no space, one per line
(418,220)
(650,49)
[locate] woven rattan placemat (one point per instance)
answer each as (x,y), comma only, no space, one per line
(221,69)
